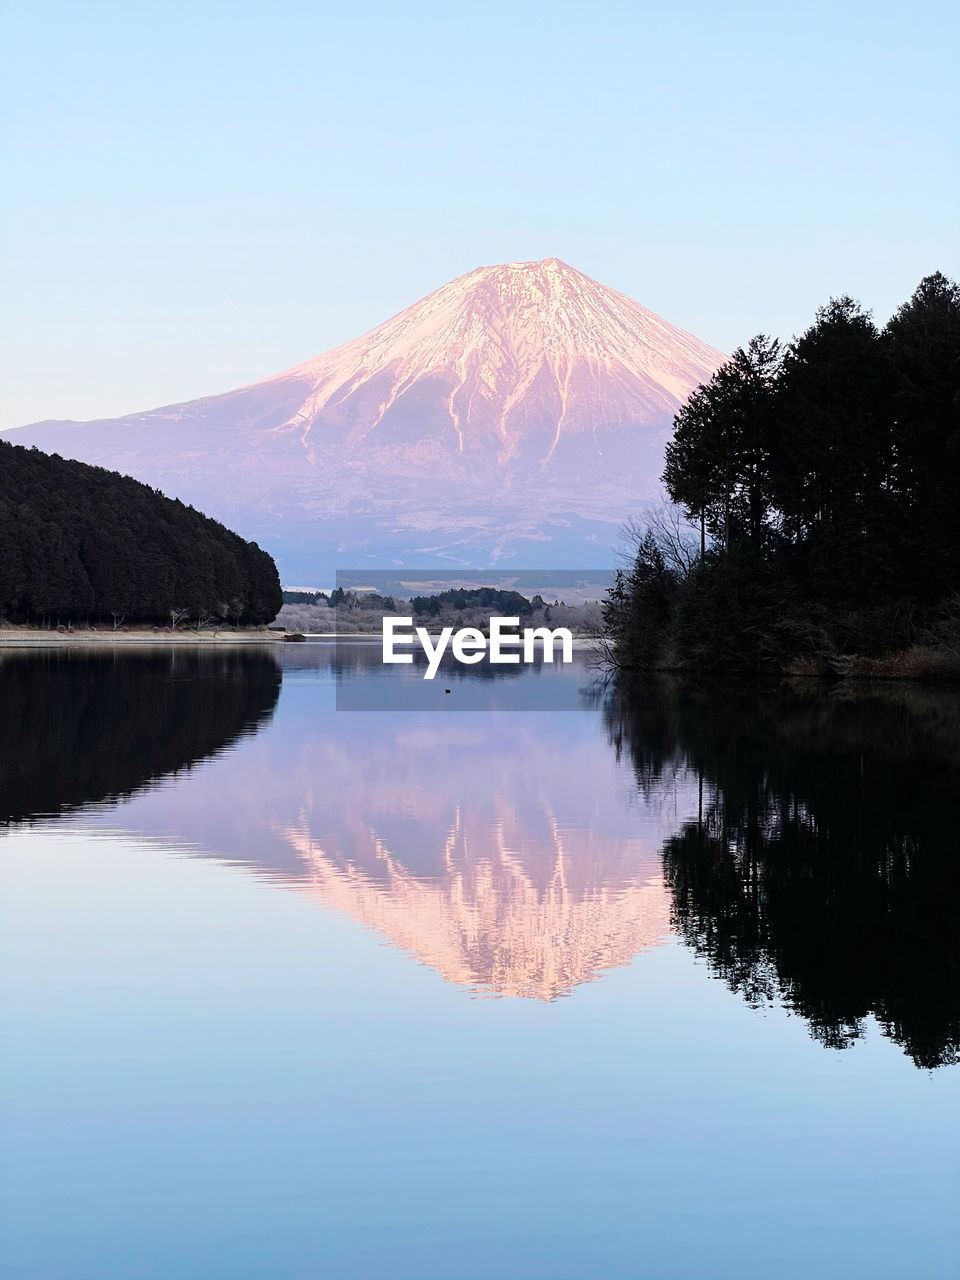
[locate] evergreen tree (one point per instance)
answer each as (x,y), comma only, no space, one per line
(922,342)
(832,472)
(717,465)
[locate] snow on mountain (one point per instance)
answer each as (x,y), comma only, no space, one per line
(512,345)
(518,412)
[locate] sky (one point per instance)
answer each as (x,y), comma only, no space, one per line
(198,195)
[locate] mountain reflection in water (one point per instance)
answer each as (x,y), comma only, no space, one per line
(802,840)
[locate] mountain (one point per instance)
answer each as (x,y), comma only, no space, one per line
(518,413)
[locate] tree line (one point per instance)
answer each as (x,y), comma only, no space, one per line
(821,483)
(82,544)
(361,611)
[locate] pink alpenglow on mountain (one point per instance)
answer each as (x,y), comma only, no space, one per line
(519,413)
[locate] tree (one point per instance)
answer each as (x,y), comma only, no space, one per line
(922,342)
(717,465)
(680,543)
(638,608)
(834,463)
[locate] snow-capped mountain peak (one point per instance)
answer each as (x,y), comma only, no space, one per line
(517,346)
(519,411)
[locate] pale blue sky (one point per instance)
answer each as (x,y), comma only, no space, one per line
(197,195)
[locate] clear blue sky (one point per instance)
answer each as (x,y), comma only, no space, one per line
(200,194)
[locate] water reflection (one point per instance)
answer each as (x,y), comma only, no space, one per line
(78,729)
(822,866)
(802,841)
(499,855)
(365,683)
(497,849)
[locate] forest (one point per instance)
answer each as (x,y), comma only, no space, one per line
(82,546)
(816,487)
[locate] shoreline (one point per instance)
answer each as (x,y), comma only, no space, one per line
(14,638)
(11,637)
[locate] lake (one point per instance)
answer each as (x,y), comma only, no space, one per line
(538,979)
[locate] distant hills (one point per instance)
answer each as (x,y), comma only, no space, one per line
(517,414)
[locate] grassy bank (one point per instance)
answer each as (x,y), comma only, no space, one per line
(916,663)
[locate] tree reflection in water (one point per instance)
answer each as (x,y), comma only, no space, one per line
(819,868)
(823,868)
(85,727)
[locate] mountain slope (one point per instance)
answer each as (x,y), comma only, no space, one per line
(519,411)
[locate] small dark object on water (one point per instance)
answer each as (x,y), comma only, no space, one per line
(446,691)
(294,637)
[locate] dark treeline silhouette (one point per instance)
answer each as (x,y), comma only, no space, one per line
(78,543)
(822,868)
(494,599)
(505,603)
(80,728)
(822,482)
(303,597)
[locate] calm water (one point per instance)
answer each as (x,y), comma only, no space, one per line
(657,986)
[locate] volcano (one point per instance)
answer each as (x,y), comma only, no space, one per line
(516,415)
